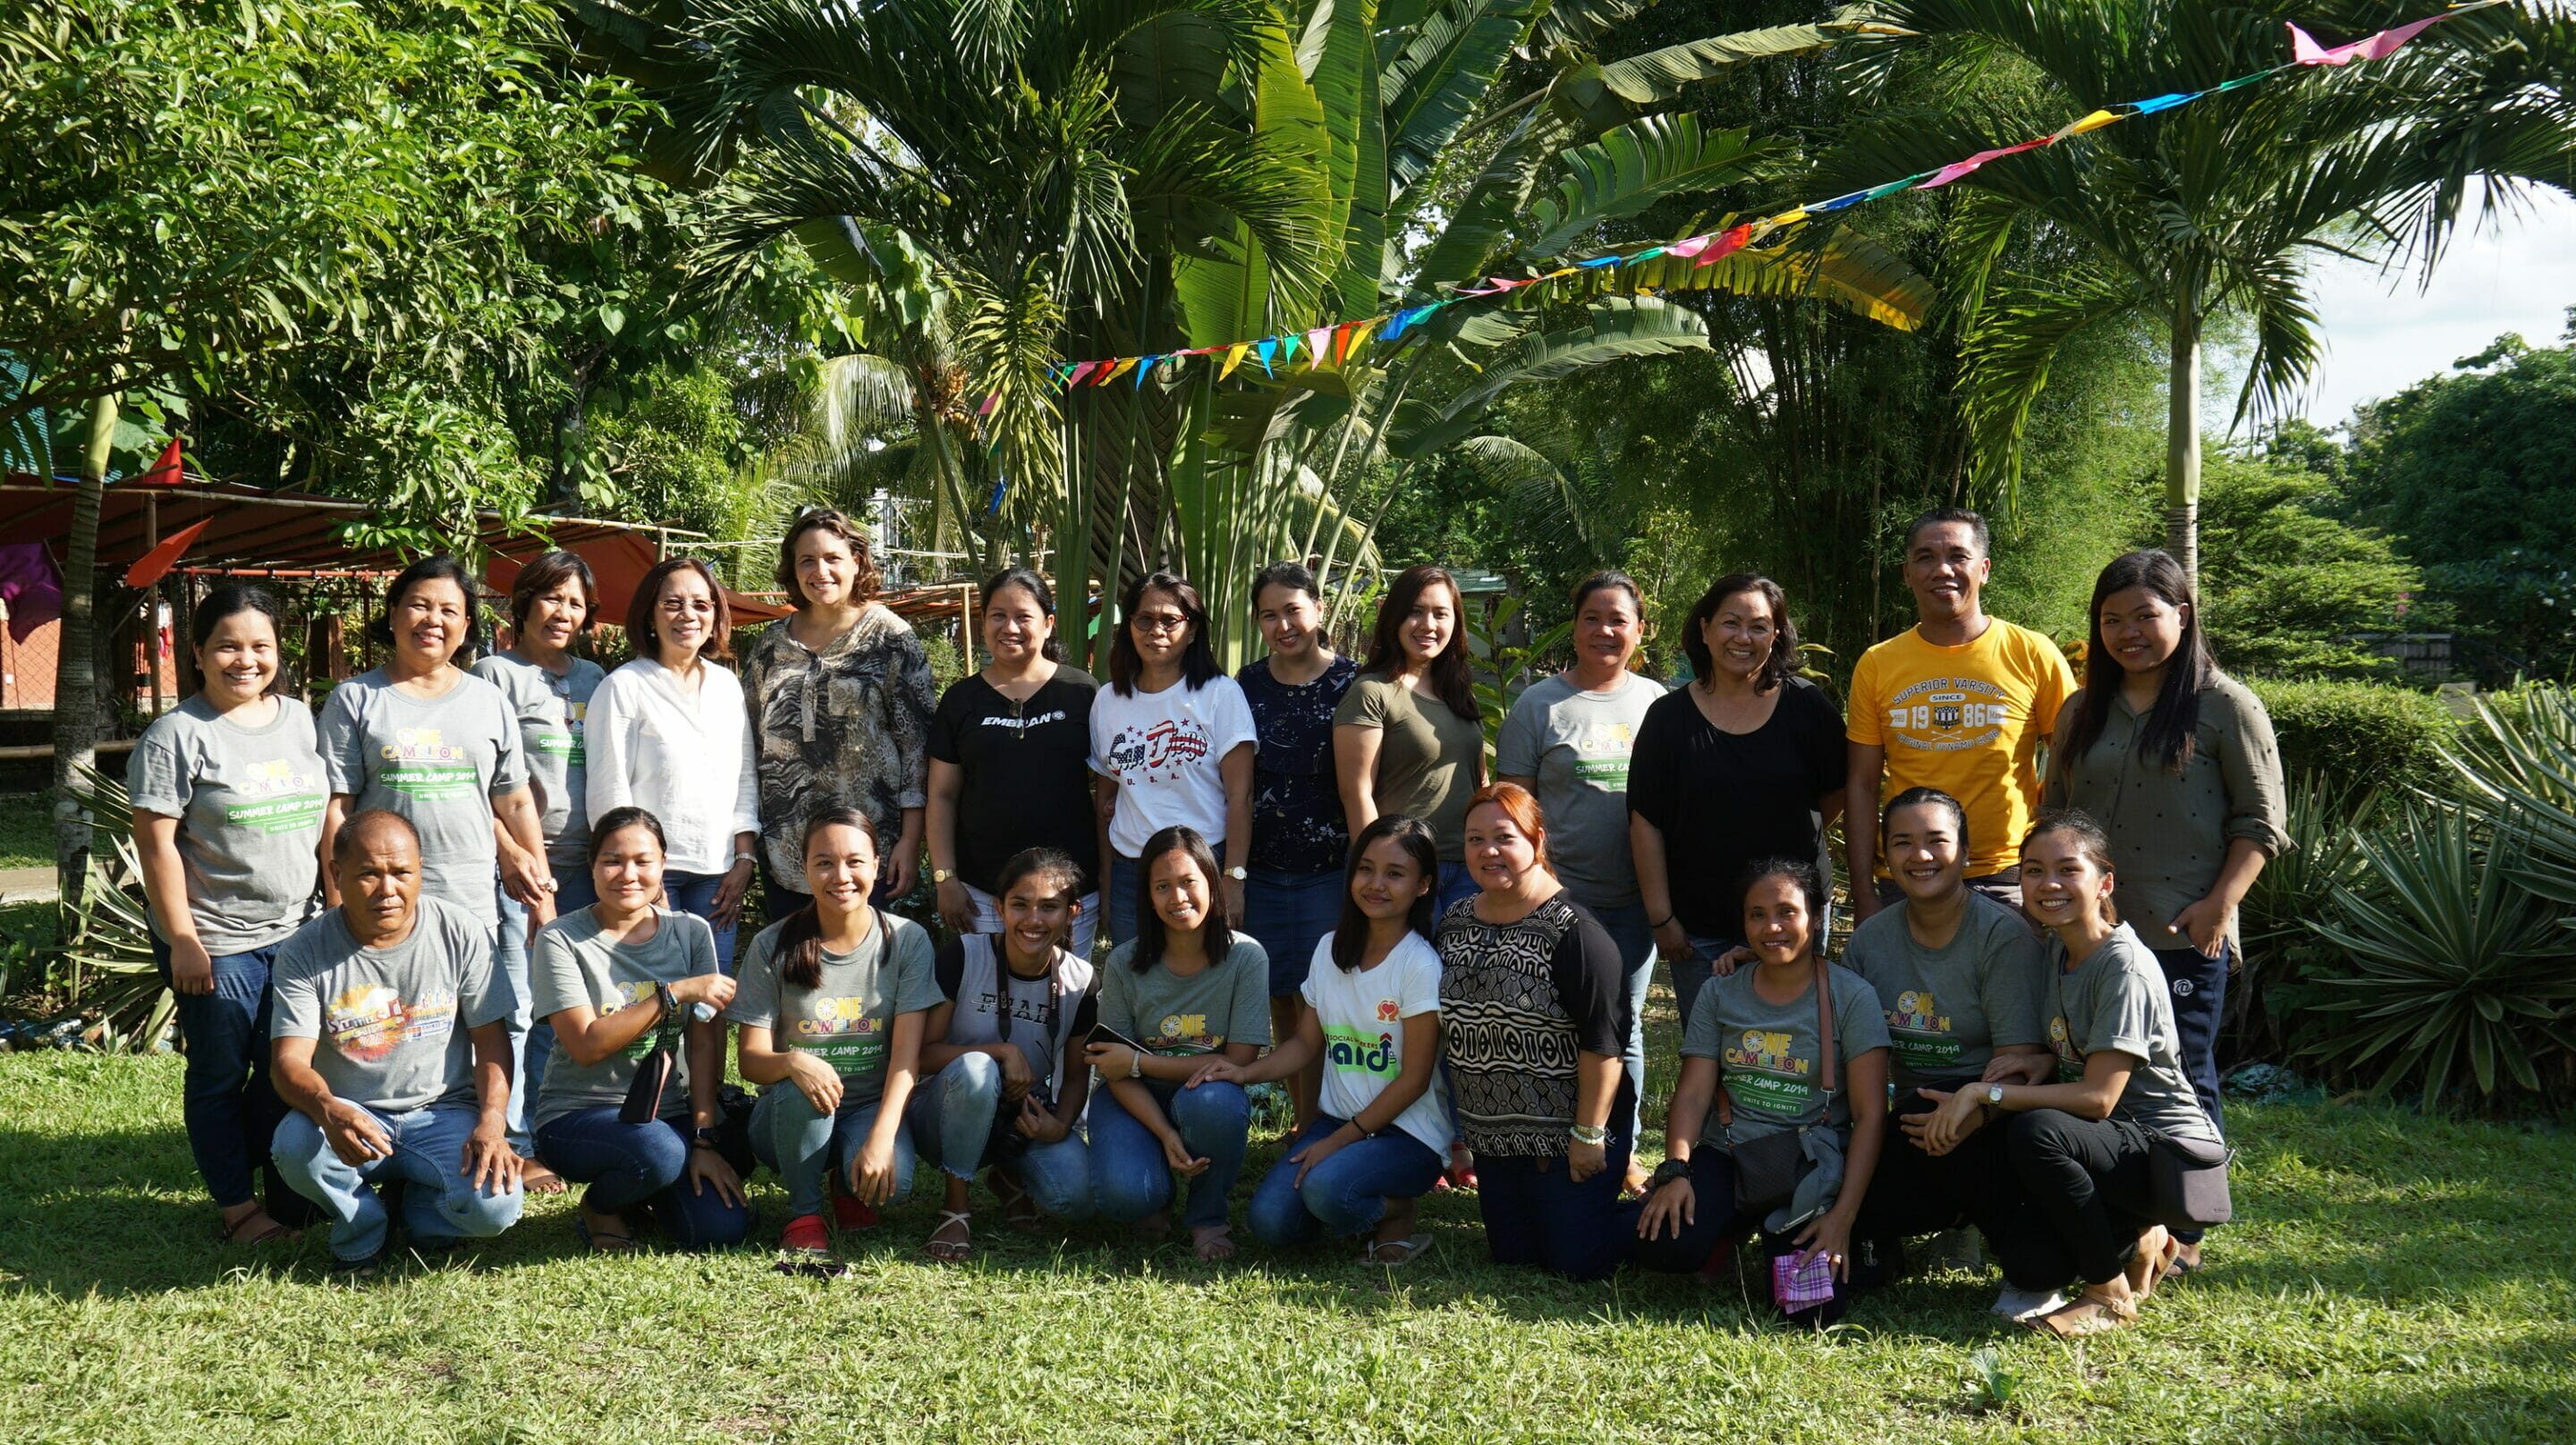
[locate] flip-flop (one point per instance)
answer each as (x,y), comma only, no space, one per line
(951,1251)
(1019,1207)
(234,1233)
(601,1241)
(1213,1244)
(1406,1251)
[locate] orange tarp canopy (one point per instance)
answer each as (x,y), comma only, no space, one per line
(618,562)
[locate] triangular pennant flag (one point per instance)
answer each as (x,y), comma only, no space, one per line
(1145,368)
(1080,373)
(1691,247)
(1359,335)
(1731,241)
(1317,342)
(1288,348)
(1648,254)
(1116,370)
(1264,350)
(1599,261)
(1233,359)
(2306,51)
(2083,126)
(1956,169)
(992,399)
(154,565)
(165,472)
(1785,218)
(1342,341)
(1852,198)
(2165,102)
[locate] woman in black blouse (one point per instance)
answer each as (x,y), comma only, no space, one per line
(1746,762)
(1534,1016)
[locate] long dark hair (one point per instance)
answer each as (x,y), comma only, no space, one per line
(431,568)
(1350,936)
(1039,592)
(1126,664)
(2172,731)
(225,601)
(1922,797)
(1780,666)
(1450,674)
(800,937)
(1150,941)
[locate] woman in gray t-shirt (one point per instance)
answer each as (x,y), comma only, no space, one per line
(228,793)
(2081,1145)
(611,978)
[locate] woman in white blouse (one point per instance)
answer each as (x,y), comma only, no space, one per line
(668,733)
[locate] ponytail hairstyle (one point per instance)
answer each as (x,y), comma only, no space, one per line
(1150,939)
(1799,871)
(225,601)
(2172,730)
(1350,936)
(1027,580)
(1922,797)
(800,937)
(629,816)
(2090,841)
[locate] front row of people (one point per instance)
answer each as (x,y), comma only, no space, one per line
(2031,1077)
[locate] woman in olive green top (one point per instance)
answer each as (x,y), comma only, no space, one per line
(1408,736)
(2178,761)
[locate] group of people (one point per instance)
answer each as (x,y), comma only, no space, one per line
(517,966)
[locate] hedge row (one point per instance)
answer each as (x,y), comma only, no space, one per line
(2359,734)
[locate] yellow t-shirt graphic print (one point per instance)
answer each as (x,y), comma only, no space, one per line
(842,1033)
(1967,720)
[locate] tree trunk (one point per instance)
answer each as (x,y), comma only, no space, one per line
(75,670)
(2182,439)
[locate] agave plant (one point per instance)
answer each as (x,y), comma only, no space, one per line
(2270,1000)
(2457,974)
(107,970)
(2520,761)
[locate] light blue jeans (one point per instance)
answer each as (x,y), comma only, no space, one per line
(532,1040)
(429,1153)
(696,893)
(951,1119)
(1344,1195)
(805,1147)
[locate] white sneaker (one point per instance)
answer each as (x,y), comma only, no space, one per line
(2022,1305)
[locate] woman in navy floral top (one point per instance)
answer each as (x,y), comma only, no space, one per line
(1292,896)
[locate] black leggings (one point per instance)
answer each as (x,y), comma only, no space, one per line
(2088,1193)
(1913,1193)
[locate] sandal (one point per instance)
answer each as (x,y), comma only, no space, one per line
(1396,1253)
(1019,1207)
(255,1227)
(600,1239)
(2157,1250)
(951,1251)
(1212,1242)
(2090,1314)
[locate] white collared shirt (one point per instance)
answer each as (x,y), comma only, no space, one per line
(687,761)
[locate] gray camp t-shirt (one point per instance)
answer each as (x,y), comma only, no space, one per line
(551,711)
(1225,1003)
(391,1025)
(249,804)
(2116,1000)
(1576,744)
(847,1019)
(572,965)
(439,762)
(1949,1008)
(1767,1054)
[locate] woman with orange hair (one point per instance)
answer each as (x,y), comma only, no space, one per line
(1534,1009)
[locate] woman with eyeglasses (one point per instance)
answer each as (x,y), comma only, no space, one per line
(841,700)
(667,734)
(1172,742)
(1009,753)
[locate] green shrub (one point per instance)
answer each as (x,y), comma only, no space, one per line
(2359,735)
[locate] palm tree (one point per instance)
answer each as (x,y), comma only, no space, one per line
(2175,220)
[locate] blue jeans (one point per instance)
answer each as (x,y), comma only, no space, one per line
(1626,925)
(2198,985)
(1289,913)
(428,1153)
(951,1118)
(1535,1214)
(1692,972)
(806,1147)
(630,1164)
(1344,1195)
(231,1109)
(1455,883)
(532,1040)
(1130,1177)
(696,893)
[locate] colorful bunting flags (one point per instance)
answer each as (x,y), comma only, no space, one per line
(1335,343)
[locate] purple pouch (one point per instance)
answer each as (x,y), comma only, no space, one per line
(1796,1286)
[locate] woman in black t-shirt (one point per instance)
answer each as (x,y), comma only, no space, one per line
(1746,762)
(1009,764)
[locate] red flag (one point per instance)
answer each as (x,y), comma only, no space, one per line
(156,564)
(165,472)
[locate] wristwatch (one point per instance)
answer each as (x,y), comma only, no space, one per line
(1666,1172)
(1238,873)
(704,1139)
(942,875)
(1994,1098)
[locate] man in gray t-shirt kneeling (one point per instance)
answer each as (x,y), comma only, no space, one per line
(391,1045)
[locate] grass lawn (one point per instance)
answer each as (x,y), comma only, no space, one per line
(2394,1280)
(26,831)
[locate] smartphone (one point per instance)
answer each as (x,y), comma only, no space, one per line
(1104,1034)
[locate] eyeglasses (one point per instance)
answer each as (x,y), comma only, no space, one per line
(1160,621)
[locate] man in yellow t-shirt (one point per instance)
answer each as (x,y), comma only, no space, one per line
(1959,702)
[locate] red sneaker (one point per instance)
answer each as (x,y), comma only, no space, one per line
(804,1249)
(850,1214)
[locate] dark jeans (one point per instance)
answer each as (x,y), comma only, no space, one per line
(1536,1214)
(1130,1178)
(630,1164)
(1913,1193)
(2198,984)
(1344,1195)
(1717,1221)
(1289,913)
(230,1108)
(2088,1193)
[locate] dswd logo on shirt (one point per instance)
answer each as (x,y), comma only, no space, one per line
(1360,1053)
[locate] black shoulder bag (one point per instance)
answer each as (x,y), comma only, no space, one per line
(2188,1181)
(1768,1168)
(653,1074)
